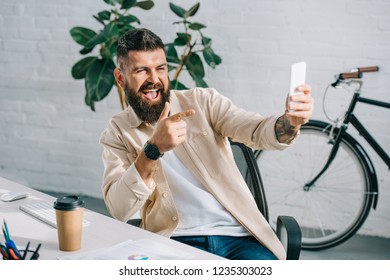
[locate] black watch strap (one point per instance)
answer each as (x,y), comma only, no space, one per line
(151,151)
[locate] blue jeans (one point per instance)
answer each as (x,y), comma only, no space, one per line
(230,247)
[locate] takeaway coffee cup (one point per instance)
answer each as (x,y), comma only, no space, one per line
(69,215)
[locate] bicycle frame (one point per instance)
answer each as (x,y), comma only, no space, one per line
(363,131)
(352,119)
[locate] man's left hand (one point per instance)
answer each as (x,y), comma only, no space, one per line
(301,110)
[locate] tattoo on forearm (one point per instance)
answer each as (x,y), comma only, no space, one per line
(285,132)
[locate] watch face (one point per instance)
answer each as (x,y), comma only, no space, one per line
(151,151)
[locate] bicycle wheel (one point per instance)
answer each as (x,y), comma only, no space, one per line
(340,200)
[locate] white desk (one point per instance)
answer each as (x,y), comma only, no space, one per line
(102,232)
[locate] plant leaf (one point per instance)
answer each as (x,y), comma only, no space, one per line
(179,11)
(85,50)
(199,81)
(171,54)
(196,26)
(128,19)
(82,35)
(112,49)
(181,39)
(80,68)
(192,11)
(99,80)
(211,58)
(206,42)
(98,19)
(89,102)
(127,4)
(104,15)
(175,84)
(110,2)
(98,39)
(195,65)
(145,5)
(108,32)
(124,29)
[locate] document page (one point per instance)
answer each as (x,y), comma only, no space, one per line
(143,249)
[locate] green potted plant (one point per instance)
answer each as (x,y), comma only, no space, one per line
(190,45)
(97,70)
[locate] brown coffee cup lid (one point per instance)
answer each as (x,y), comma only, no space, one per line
(68,202)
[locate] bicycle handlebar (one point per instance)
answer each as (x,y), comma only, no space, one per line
(368,69)
(353,75)
(357,73)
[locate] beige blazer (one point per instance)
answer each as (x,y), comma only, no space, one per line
(206,152)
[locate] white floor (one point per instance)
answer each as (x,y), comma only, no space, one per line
(356,248)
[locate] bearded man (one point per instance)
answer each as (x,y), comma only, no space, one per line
(167,156)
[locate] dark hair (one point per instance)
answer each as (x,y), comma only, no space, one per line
(139,39)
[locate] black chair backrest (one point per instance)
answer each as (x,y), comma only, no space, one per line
(246,163)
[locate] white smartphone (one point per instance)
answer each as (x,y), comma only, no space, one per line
(297,78)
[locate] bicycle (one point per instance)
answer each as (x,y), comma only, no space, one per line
(326,180)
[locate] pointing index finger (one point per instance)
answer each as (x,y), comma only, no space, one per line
(182,115)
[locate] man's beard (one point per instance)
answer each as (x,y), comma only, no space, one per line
(146,111)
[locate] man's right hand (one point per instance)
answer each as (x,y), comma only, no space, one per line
(170,131)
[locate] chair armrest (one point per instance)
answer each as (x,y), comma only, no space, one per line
(289,233)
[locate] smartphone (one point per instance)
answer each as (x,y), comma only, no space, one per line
(297,77)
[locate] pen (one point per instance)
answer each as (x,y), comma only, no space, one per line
(11,245)
(35,255)
(4,251)
(5,234)
(12,254)
(25,251)
(6,229)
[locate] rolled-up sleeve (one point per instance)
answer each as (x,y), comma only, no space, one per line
(124,191)
(250,128)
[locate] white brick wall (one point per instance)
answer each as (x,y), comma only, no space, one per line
(49,138)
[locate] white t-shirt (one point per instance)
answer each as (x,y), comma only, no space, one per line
(199,212)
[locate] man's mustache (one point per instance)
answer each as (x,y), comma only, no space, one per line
(150,86)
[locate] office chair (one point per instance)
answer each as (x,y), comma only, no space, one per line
(287,228)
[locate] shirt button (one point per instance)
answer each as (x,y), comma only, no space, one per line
(204,133)
(174,218)
(134,155)
(164,194)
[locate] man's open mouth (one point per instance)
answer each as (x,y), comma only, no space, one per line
(151,94)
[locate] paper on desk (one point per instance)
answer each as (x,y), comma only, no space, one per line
(153,250)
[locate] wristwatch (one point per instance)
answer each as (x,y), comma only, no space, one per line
(151,151)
